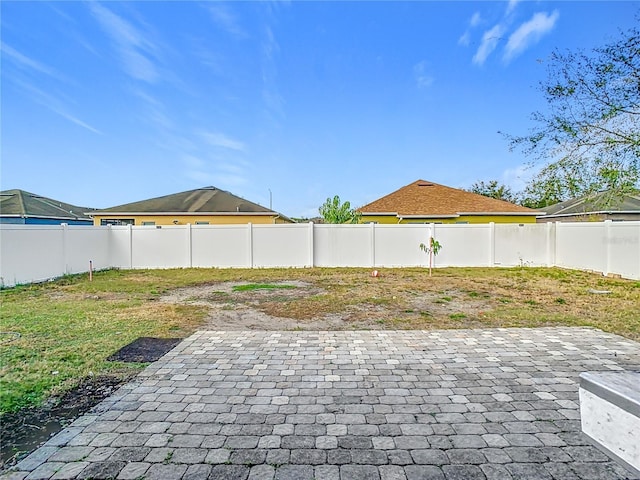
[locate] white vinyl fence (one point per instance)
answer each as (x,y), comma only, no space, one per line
(36,253)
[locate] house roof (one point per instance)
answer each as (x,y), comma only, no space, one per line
(21,204)
(601,202)
(206,200)
(428,199)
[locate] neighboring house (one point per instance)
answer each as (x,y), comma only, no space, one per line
(428,202)
(24,208)
(594,208)
(208,205)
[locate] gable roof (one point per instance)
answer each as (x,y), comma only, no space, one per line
(428,199)
(209,200)
(22,204)
(601,202)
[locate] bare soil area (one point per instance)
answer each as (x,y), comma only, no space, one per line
(285,306)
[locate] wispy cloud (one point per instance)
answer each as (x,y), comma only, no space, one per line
(156,113)
(133,47)
(474,21)
(56,105)
(224,18)
(511,6)
(530,33)
(490,40)
(476,18)
(423,78)
(220,140)
(27,63)
(270,93)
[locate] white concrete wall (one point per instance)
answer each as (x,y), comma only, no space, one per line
(31,253)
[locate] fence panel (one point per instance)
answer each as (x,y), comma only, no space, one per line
(281,245)
(463,245)
(343,246)
(166,247)
(623,243)
(220,246)
(84,245)
(120,246)
(521,244)
(582,246)
(31,253)
(399,245)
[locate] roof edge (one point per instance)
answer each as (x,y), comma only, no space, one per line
(188,214)
(379,213)
(523,214)
(597,212)
(446,215)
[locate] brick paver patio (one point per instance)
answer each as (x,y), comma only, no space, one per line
(458,404)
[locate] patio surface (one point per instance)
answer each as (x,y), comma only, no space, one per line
(456,404)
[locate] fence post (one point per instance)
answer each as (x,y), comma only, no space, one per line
(373,244)
(190,244)
(130,229)
(65,263)
(250,244)
(607,243)
(109,247)
(311,245)
(432,234)
(492,244)
(551,244)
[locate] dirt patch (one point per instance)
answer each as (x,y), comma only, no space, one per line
(144,350)
(25,430)
(301,305)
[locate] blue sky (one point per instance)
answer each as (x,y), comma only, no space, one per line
(105,103)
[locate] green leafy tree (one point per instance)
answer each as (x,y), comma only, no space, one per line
(494,189)
(334,211)
(589,138)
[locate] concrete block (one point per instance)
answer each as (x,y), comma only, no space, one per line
(610,414)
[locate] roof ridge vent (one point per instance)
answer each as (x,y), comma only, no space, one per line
(425,184)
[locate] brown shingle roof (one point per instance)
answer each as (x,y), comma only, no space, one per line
(424,198)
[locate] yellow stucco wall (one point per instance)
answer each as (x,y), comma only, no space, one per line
(390,219)
(192,219)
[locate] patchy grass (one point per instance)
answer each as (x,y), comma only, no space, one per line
(68,328)
(248,287)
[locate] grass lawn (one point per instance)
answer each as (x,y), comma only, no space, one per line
(69,327)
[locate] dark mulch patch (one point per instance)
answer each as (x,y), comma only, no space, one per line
(144,350)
